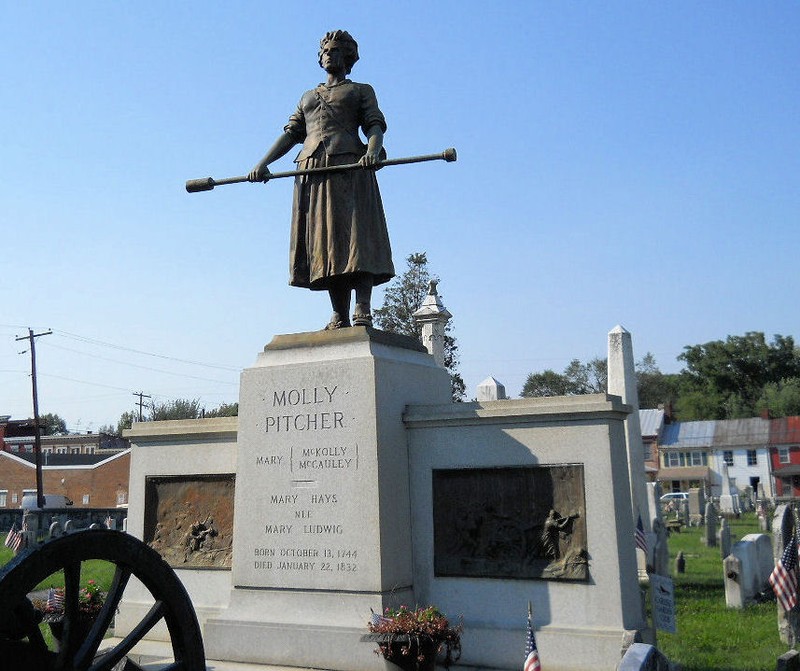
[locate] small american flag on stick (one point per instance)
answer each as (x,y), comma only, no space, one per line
(641,539)
(784,576)
(55,600)
(532,662)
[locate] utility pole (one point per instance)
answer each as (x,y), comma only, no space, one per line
(37,435)
(141,396)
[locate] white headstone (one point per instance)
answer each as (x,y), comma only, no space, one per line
(491,390)
(728,499)
(747,569)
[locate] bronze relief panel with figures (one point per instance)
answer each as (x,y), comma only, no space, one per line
(518,522)
(188,520)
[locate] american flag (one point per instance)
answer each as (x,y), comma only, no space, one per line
(532,662)
(641,539)
(55,600)
(376,618)
(784,576)
(12,536)
(16,540)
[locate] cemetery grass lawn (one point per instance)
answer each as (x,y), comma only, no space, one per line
(710,636)
(102,572)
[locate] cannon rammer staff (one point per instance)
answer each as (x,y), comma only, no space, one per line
(208,183)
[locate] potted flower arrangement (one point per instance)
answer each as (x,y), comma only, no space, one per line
(412,639)
(90,602)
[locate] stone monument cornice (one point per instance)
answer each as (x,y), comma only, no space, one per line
(343,336)
(519,411)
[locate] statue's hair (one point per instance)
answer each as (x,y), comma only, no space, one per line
(347,41)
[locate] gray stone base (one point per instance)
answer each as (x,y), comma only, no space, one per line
(316,629)
(291,645)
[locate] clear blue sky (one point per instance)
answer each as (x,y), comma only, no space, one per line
(619,163)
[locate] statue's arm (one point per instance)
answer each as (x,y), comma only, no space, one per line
(374,146)
(373,124)
(281,147)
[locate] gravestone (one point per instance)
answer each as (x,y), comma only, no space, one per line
(783,526)
(643,657)
(746,498)
(680,563)
(747,569)
(683,511)
(733,580)
(710,538)
(728,499)
(697,504)
(660,549)
(764,518)
(55,530)
(724,538)
(788,661)
(654,493)
(763,552)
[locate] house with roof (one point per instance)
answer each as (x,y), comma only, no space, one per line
(742,445)
(652,424)
(88,480)
(90,469)
(784,454)
(686,451)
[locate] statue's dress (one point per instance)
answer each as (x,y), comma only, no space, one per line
(338,224)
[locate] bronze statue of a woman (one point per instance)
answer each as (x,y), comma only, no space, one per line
(339,241)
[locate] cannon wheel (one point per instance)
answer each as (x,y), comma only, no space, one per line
(131,558)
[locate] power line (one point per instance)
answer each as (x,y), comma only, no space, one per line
(93,341)
(133,365)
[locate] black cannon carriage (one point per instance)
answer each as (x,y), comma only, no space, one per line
(22,646)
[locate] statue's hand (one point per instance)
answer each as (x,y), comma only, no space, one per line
(259,174)
(370,159)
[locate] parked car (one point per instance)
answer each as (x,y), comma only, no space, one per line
(29,501)
(674,496)
(673,500)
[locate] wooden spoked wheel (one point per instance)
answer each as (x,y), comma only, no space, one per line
(22,645)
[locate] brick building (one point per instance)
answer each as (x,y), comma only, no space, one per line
(784,452)
(88,480)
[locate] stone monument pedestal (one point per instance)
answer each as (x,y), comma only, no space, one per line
(322,525)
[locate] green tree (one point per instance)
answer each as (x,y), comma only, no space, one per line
(654,387)
(52,425)
(546,383)
(577,378)
(401,299)
(224,410)
(179,408)
(727,379)
(782,398)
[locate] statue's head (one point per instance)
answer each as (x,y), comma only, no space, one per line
(345,42)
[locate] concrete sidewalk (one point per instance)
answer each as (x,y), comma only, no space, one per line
(157,655)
